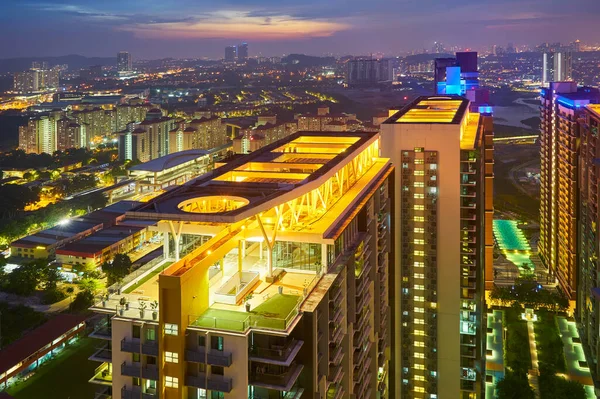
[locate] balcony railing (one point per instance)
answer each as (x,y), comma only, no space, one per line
(135,346)
(277,354)
(213,382)
(136,393)
(275,377)
(214,357)
(149,372)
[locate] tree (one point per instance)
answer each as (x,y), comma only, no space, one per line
(514,386)
(117,269)
(83,301)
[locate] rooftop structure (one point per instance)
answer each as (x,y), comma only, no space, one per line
(291,254)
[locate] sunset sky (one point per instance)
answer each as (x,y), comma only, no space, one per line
(196,28)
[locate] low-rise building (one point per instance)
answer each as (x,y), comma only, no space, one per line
(25,355)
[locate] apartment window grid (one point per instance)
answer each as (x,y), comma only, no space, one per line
(419,270)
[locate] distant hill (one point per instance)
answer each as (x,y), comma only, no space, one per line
(302,60)
(75,62)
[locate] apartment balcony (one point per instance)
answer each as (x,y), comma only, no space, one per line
(335,374)
(103,354)
(335,392)
(336,355)
(136,393)
(275,377)
(213,382)
(337,316)
(104,392)
(136,346)
(335,334)
(102,375)
(282,355)
(148,372)
(214,357)
(102,331)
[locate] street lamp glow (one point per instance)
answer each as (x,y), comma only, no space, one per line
(63,222)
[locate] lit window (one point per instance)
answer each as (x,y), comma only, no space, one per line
(172,357)
(420,355)
(418,275)
(419,367)
(419,173)
(419,253)
(433,166)
(419,161)
(419,264)
(171,329)
(418,149)
(433,305)
(419,310)
(419,196)
(171,382)
(419,230)
(419,241)
(419,184)
(419,287)
(419,207)
(418,218)
(419,321)
(419,378)
(419,389)
(420,333)
(419,299)
(434,177)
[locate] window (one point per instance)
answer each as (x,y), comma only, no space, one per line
(171,357)
(136,357)
(217,395)
(419,241)
(419,366)
(217,370)
(419,253)
(419,389)
(216,342)
(419,173)
(419,207)
(419,161)
(201,340)
(136,331)
(151,334)
(419,321)
(171,329)
(419,196)
(420,355)
(419,184)
(419,149)
(418,218)
(418,275)
(151,360)
(419,378)
(419,230)
(419,264)
(419,287)
(137,382)
(433,166)
(419,299)
(171,382)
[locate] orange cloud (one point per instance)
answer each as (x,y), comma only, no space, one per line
(237,24)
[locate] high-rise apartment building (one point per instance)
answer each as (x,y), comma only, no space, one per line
(319,121)
(37,79)
(99,123)
(39,135)
(147,140)
(443,155)
(230,54)
(70,134)
(242,52)
(556,66)
(368,71)
(562,104)
(285,290)
(457,75)
(588,292)
(124,62)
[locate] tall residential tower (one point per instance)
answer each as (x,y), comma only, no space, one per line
(443,155)
(277,281)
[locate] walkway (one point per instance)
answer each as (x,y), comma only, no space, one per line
(495,352)
(534,372)
(577,368)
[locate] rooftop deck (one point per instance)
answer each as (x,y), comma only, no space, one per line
(432,109)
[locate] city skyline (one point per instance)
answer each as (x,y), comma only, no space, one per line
(186,29)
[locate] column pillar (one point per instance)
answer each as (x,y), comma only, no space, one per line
(166,254)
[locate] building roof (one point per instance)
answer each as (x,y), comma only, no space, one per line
(37,339)
(432,109)
(595,109)
(170,161)
(257,180)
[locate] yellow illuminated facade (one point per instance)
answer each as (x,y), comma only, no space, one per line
(275,282)
(443,155)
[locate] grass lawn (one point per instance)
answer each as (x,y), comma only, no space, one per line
(148,277)
(64,377)
(517,355)
(549,344)
(269,314)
